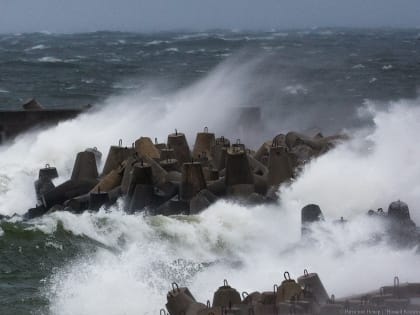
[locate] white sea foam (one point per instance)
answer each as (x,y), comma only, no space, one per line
(326,33)
(50,59)
(195,51)
(251,246)
(88,81)
(370,171)
(148,112)
(4,91)
(295,89)
(156,42)
(281,34)
(192,36)
(172,49)
(37,47)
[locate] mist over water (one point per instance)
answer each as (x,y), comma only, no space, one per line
(376,166)
(136,257)
(211,102)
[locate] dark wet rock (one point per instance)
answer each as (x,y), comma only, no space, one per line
(35,212)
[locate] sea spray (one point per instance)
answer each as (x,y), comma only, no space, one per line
(208,103)
(376,167)
(109,247)
(137,257)
(252,246)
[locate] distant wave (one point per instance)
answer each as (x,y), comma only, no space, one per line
(192,36)
(172,49)
(156,42)
(231,39)
(259,37)
(37,47)
(50,59)
(3,91)
(195,51)
(295,89)
(88,81)
(45,32)
(281,34)
(326,33)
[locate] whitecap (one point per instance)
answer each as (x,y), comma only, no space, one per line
(250,38)
(156,42)
(326,33)
(372,80)
(54,245)
(358,66)
(295,89)
(281,34)
(269,48)
(37,47)
(50,59)
(191,36)
(387,67)
(4,91)
(231,39)
(194,51)
(88,81)
(172,49)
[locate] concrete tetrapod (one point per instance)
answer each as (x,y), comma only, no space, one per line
(204,144)
(192,180)
(116,155)
(179,144)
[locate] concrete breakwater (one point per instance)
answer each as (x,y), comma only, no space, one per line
(306,295)
(170,178)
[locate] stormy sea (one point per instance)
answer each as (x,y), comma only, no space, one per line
(363,83)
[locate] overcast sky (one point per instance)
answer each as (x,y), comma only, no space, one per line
(157,15)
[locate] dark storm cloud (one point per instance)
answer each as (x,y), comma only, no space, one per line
(155,15)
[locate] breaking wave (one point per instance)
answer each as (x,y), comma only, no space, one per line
(50,59)
(138,256)
(37,47)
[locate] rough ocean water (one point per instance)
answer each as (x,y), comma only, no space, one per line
(362,82)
